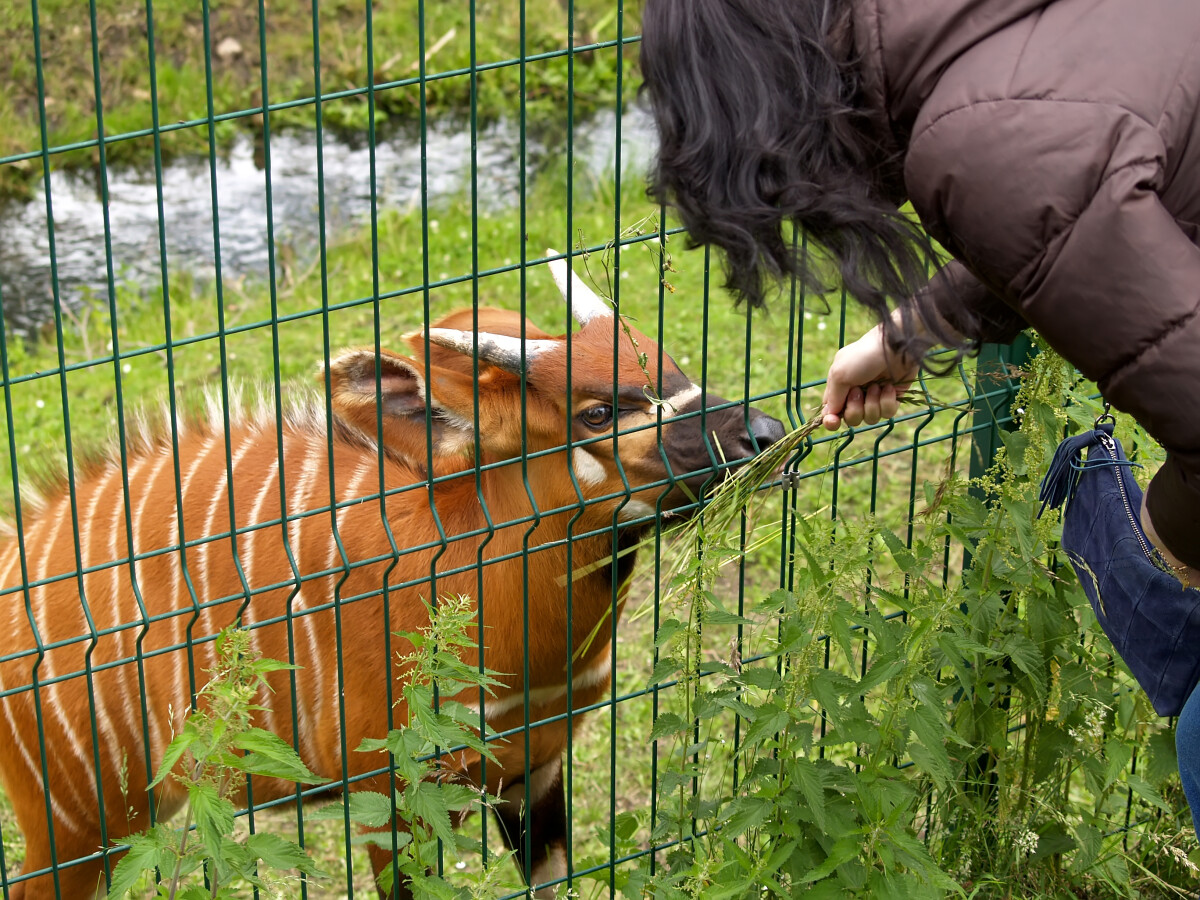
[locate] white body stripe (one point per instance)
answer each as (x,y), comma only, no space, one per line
(10,568)
(34,766)
(310,707)
(159,739)
(53,706)
(130,669)
(178,587)
(595,674)
(107,728)
(205,548)
(270,483)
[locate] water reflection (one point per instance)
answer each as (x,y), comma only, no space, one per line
(25,269)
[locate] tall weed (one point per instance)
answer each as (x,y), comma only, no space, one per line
(886,726)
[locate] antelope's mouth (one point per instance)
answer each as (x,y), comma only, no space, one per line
(702,454)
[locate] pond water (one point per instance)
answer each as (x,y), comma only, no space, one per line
(26,276)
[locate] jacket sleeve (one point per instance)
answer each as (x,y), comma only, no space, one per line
(1056,207)
(968,306)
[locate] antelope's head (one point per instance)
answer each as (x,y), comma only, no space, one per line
(638,429)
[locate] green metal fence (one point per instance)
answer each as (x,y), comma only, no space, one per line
(141,124)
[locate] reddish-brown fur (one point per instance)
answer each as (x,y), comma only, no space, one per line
(111,694)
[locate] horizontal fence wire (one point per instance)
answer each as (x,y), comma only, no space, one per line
(119,579)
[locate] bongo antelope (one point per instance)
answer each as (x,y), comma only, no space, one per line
(105,646)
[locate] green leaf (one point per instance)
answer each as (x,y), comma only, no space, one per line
(1026,656)
(269,755)
(845,849)
(1053,839)
(664,670)
(366,808)
(769,720)
(1163,762)
(213,815)
(761,677)
(265,665)
(146,853)
(427,802)
(1016,443)
(1143,789)
(280,853)
(931,728)
(382,839)
(904,558)
(440,729)
(745,813)
(812,785)
(179,745)
(430,887)
(405,744)
(881,671)
(667,630)
(716,614)
(667,724)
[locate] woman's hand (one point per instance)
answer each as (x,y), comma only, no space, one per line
(865,382)
(1188,575)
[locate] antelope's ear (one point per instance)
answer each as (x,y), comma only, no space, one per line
(400,389)
(352,376)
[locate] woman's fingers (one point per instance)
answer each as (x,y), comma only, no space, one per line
(871,404)
(889,401)
(832,403)
(867,405)
(853,413)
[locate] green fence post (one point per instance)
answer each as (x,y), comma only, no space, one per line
(993,395)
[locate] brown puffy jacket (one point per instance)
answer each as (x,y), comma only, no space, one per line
(1054,149)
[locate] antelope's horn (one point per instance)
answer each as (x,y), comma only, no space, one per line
(585,303)
(501,350)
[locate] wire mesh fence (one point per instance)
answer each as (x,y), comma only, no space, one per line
(213,202)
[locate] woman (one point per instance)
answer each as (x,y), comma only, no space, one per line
(1052,147)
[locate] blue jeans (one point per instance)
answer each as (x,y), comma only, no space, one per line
(1187,746)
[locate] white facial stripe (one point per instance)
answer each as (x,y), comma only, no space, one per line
(636,509)
(681,399)
(588,469)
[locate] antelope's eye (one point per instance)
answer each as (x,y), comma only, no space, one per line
(597,416)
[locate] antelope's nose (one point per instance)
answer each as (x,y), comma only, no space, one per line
(764,431)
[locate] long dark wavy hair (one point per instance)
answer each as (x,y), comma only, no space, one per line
(762,126)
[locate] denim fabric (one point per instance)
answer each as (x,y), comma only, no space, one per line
(1187,745)
(1153,623)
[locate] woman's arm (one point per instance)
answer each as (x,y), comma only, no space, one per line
(1187,574)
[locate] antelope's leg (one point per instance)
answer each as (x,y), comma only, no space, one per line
(82,881)
(539,833)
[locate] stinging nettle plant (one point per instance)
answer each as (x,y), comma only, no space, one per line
(220,748)
(890,726)
(202,858)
